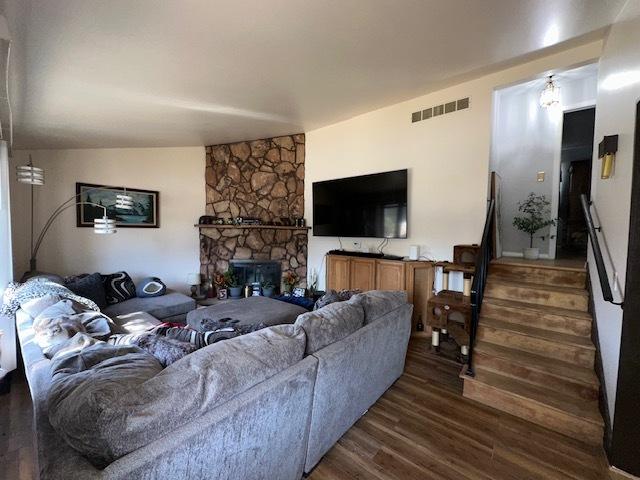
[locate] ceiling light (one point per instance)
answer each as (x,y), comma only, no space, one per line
(550,95)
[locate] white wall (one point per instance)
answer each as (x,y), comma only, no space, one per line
(618,93)
(169,252)
(527,139)
(447,158)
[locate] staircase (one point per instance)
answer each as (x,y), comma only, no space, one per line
(533,356)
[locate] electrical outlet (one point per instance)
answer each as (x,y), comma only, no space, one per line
(357,246)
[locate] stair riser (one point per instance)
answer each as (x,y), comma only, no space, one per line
(544,276)
(547,417)
(556,323)
(502,366)
(567,353)
(515,293)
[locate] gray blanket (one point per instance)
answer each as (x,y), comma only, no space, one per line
(245,313)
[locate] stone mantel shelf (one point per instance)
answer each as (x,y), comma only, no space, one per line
(263,227)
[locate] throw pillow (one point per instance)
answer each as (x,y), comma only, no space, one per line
(118,287)
(151,287)
(90,287)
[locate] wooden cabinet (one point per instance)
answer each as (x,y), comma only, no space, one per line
(338,272)
(351,273)
(390,275)
(362,274)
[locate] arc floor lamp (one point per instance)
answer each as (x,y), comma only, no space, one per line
(34,176)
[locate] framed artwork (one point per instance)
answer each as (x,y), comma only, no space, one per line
(145,213)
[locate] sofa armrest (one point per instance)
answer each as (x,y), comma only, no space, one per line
(352,374)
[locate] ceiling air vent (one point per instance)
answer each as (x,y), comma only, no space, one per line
(438,110)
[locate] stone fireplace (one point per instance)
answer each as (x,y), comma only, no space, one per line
(262,179)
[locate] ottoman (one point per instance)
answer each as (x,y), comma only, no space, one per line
(248,311)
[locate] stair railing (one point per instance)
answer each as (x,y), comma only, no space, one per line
(597,252)
(479,280)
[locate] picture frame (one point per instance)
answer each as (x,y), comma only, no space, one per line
(222,294)
(146,203)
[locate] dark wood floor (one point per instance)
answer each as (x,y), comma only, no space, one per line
(16,448)
(422,428)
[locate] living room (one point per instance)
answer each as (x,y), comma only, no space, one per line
(199,136)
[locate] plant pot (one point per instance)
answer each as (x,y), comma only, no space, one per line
(267,292)
(235,292)
(531,253)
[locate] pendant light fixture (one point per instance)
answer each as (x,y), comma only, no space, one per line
(550,95)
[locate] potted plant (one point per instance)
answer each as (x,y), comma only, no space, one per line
(231,281)
(268,288)
(536,213)
(290,280)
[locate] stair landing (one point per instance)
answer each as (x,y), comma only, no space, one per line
(534,357)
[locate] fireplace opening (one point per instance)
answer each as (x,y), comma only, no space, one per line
(257,272)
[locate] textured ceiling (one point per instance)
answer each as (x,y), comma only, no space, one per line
(134,73)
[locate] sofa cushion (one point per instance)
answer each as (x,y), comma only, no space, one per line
(90,287)
(330,324)
(169,305)
(378,302)
(87,386)
(118,287)
(135,322)
(105,423)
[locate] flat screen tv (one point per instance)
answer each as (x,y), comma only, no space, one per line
(365,206)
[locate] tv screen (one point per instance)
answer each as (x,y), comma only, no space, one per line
(365,206)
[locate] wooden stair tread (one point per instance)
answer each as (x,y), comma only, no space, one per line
(580,408)
(495,280)
(564,338)
(540,363)
(536,264)
(538,308)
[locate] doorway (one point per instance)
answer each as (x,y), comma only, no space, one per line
(575,180)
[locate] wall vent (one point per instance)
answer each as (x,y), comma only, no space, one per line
(438,110)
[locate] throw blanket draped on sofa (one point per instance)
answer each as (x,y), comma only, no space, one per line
(18,293)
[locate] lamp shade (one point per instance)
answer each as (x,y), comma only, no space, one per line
(194,279)
(124,202)
(30,174)
(104,226)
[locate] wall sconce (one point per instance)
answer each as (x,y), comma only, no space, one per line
(607,149)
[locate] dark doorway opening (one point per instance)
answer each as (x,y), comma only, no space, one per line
(575,179)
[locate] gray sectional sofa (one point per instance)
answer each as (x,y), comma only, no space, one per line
(267,405)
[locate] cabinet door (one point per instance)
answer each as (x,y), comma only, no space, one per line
(338,272)
(363,274)
(390,275)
